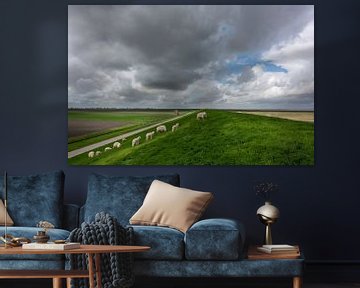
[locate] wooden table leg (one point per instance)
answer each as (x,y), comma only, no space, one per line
(68,282)
(297,282)
(57,283)
(91,270)
(98,270)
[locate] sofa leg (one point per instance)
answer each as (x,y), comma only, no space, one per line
(57,283)
(297,282)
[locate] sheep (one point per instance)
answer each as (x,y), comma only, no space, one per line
(150,135)
(123,139)
(116,145)
(174,127)
(136,141)
(201,116)
(107,149)
(91,154)
(97,153)
(161,128)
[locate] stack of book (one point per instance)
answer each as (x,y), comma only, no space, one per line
(279,249)
(274,252)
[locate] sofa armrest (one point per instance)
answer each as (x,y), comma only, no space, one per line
(215,239)
(71,216)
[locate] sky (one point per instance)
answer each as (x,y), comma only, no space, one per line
(173,57)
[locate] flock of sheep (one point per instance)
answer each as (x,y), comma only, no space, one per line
(149,136)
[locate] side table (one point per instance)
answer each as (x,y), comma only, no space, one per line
(288,259)
(93,251)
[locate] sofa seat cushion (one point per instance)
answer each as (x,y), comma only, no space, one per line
(120,196)
(212,269)
(166,243)
(39,264)
(29,232)
(214,239)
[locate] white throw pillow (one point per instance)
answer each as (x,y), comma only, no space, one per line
(9,221)
(170,206)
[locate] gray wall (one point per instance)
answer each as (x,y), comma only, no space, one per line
(318,204)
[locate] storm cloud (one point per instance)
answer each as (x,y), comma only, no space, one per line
(228,57)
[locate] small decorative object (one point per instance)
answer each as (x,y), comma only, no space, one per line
(41,236)
(11,241)
(268,213)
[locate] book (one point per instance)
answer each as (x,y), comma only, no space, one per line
(51,246)
(255,254)
(278,249)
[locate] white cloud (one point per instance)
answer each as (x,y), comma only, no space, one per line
(296,55)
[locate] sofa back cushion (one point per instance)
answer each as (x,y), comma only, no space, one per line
(120,196)
(35,198)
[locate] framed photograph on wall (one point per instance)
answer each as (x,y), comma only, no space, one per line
(191,85)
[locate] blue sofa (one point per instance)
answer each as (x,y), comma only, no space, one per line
(32,199)
(210,248)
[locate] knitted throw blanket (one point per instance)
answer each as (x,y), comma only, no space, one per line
(116,268)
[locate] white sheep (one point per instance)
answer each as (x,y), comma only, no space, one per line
(136,141)
(174,127)
(201,115)
(97,153)
(116,145)
(161,128)
(91,154)
(150,135)
(123,139)
(107,149)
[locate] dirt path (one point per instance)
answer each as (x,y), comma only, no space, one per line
(91,147)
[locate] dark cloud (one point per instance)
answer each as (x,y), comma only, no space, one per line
(167,78)
(123,55)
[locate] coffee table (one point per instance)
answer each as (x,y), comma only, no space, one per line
(94,267)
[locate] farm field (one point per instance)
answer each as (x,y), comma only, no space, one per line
(223,138)
(305,116)
(86,127)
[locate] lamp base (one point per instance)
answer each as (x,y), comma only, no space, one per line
(268,237)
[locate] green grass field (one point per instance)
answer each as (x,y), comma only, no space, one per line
(132,120)
(224,138)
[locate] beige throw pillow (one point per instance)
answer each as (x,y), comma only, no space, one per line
(9,221)
(170,206)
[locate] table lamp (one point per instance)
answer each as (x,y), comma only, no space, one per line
(268,214)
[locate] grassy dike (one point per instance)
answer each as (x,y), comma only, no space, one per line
(224,138)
